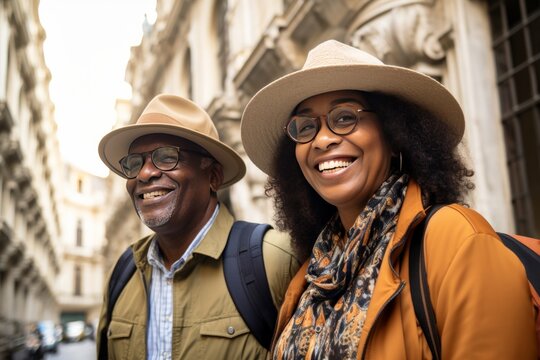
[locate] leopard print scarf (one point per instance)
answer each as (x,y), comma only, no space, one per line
(341,277)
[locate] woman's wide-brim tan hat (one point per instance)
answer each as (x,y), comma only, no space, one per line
(173,115)
(333,66)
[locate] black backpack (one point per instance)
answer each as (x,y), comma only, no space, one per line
(246,280)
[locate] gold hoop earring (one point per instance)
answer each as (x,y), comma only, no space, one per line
(400,162)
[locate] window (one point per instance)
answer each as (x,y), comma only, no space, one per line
(79,234)
(186,73)
(515,29)
(77,281)
(80,185)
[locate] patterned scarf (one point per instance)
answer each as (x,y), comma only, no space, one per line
(341,277)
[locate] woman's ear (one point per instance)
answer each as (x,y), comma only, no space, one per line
(396,160)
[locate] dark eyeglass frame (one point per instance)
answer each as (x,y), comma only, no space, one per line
(152,153)
(317,119)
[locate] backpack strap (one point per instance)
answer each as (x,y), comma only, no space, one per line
(423,308)
(529,258)
(122,272)
(245,276)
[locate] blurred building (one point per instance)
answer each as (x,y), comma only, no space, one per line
(122,223)
(30,168)
(220,52)
(80,282)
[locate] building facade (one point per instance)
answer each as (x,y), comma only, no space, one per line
(30,171)
(122,225)
(79,287)
(487,53)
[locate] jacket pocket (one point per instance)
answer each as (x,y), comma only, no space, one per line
(228,328)
(226,338)
(119,336)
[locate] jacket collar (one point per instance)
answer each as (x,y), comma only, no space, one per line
(411,213)
(215,240)
(390,281)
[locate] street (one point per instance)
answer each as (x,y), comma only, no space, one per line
(84,350)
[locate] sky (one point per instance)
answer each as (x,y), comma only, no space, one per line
(87,48)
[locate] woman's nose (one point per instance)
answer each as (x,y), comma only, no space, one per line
(325,138)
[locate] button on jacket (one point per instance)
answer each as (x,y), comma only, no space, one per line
(478,288)
(206,324)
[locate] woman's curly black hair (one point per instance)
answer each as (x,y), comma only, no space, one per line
(428,153)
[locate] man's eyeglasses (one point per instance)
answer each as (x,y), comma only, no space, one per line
(164,158)
(341,120)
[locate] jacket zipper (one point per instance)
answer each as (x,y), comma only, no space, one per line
(391,298)
(400,288)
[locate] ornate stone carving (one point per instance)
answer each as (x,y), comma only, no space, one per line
(6,121)
(13,153)
(406,33)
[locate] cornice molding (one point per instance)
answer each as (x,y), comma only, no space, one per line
(17,20)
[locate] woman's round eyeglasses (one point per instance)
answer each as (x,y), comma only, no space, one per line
(164,158)
(341,120)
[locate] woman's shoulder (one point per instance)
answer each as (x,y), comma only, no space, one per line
(457,234)
(472,280)
(458,222)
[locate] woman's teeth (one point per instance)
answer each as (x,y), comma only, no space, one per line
(333,165)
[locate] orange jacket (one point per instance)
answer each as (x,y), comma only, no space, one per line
(478,288)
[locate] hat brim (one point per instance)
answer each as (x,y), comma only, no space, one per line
(115,145)
(267,112)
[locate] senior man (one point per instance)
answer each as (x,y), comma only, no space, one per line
(177,305)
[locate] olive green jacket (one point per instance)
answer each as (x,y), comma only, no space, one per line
(206,323)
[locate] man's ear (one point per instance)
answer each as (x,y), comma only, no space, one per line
(216,176)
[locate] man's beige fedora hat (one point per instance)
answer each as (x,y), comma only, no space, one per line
(173,115)
(332,66)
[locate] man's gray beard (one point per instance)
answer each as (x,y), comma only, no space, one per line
(159,220)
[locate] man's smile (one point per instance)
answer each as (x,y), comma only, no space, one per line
(153,194)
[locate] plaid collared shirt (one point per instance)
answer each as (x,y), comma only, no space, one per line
(160,321)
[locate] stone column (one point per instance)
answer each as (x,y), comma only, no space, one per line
(5,33)
(472,74)
(450,41)
(7,287)
(7,294)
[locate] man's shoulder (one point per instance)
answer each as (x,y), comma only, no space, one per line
(279,241)
(280,262)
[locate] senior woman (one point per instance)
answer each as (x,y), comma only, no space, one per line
(356,151)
